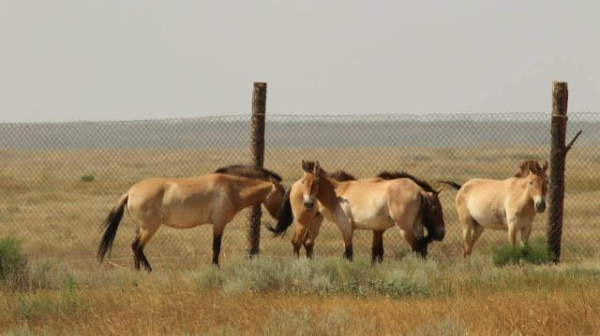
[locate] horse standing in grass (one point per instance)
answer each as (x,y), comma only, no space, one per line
(509,204)
(371,204)
(185,203)
(315,222)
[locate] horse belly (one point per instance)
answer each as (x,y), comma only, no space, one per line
(186,212)
(377,223)
(186,217)
(372,218)
(489,217)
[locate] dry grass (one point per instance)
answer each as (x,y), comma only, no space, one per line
(50,202)
(56,214)
(458,297)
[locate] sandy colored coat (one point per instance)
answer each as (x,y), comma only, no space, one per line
(509,204)
(184,203)
(358,205)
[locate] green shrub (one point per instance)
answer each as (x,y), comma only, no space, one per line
(535,253)
(88,178)
(14,265)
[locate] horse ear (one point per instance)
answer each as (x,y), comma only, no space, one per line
(439,190)
(317,168)
(273,180)
(545,167)
(304,166)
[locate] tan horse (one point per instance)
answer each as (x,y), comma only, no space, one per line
(184,203)
(370,204)
(315,222)
(509,204)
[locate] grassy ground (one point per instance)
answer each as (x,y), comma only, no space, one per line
(54,201)
(274,296)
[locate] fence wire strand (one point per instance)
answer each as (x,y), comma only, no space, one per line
(58,181)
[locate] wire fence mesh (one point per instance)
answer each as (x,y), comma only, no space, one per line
(59,181)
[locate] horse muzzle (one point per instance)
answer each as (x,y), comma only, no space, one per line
(309,205)
(540,206)
(439,233)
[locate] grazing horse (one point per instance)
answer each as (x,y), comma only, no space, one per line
(509,204)
(185,203)
(370,204)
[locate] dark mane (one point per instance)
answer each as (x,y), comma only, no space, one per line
(342,176)
(310,166)
(248,171)
(524,168)
(386,175)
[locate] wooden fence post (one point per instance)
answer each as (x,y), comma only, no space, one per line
(259,104)
(558,153)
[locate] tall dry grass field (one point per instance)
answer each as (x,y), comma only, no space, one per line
(54,202)
(328,296)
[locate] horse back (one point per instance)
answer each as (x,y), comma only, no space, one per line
(403,193)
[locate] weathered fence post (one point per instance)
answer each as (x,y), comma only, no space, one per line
(558,153)
(259,104)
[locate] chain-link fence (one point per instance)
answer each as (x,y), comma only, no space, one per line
(59,181)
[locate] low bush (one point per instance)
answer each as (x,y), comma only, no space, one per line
(328,276)
(88,178)
(14,265)
(536,252)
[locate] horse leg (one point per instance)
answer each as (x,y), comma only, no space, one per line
(348,252)
(410,239)
(138,247)
(347,232)
(311,235)
(299,236)
(136,260)
(477,231)
(377,248)
(512,233)
(217,235)
(467,240)
(525,233)
(406,216)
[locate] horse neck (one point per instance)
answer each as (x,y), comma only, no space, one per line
(327,192)
(254,192)
(524,199)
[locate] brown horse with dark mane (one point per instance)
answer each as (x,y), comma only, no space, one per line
(392,199)
(184,203)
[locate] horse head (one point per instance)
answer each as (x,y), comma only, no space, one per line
(310,183)
(537,182)
(433,215)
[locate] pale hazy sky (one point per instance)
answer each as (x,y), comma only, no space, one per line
(140,59)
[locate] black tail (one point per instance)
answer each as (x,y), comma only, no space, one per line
(452,184)
(285,217)
(110,226)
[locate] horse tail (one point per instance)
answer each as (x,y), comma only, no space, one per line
(452,184)
(285,217)
(110,226)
